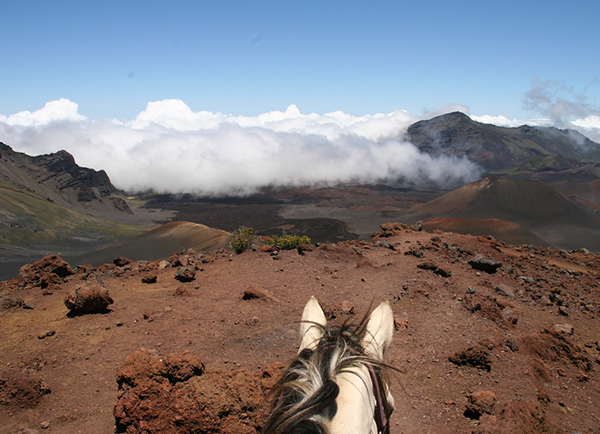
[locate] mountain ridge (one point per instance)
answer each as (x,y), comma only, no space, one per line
(57,178)
(497,148)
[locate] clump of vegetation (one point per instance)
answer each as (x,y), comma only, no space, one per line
(242,239)
(288,242)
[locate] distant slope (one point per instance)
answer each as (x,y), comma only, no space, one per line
(499,149)
(58,179)
(27,221)
(534,205)
(159,243)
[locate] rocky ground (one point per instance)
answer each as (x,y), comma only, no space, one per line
(491,338)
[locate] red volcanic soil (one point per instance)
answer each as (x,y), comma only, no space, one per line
(514,351)
(508,232)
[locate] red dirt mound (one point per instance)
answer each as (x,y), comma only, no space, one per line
(175,394)
(20,389)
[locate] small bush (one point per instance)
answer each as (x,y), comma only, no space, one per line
(242,239)
(288,242)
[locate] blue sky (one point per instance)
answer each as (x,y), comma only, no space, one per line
(224,97)
(250,57)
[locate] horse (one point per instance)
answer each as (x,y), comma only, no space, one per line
(337,383)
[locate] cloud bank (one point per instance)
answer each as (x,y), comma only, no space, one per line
(564,106)
(170,148)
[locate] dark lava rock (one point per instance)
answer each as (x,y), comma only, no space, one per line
(437,270)
(122,261)
(479,262)
(418,253)
(90,299)
(185,274)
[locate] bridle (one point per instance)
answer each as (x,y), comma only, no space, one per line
(381,418)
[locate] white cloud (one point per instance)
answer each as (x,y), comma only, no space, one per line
(53,111)
(503,121)
(170,148)
(589,126)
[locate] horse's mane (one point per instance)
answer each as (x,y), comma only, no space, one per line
(304,397)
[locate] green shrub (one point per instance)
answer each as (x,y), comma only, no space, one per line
(288,242)
(242,239)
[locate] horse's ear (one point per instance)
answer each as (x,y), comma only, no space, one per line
(312,326)
(380,329)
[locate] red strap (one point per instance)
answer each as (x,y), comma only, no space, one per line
(380,417)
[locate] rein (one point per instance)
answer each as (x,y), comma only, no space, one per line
(381,419)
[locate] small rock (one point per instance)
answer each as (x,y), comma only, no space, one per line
(149,278)
(304,248)
(432,267)
(347,308)
(45,425)
(181,292)
(9,302)
(185,274)
(563,311)
(481,263)
(476,356)
(122,261)
(470,290)
(418,226)
(510,315)
(512,344)
(564,328)
(480,403)
(400,323)
(505,290)
(254,292)
(526,279)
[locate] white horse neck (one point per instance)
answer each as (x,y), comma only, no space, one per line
(355,403)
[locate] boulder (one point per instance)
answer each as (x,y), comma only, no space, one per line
(51,269)
(90,299)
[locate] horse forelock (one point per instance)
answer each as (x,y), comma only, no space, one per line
(304,399)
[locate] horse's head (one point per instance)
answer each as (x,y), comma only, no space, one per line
(336,383)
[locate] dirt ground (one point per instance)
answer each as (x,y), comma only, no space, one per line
(516,350)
